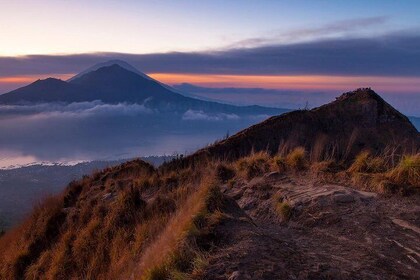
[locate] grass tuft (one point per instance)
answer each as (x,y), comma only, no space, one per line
(366,163)
(175,251)
(284,209)
(296,159)
(224,173)
(326,166)
(386,187)
(407,172)
(280,164)
(254,165)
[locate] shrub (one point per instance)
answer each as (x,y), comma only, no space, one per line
(280,163)
(365,163)
(158,273)
(407,172)
(296,159)
(224,173)
(171,180)
(254,165)
(386,187)
(326,166)
(231,183)
(214,198)
(284,209)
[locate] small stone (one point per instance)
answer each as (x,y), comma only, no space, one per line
(235,275)
(343,198)
(107,196)
(273,175)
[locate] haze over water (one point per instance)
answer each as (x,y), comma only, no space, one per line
(92,131)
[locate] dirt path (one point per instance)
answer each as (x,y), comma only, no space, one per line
(335,232)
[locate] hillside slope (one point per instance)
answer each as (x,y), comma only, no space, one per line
(355,121)
(20,187)
(264,216)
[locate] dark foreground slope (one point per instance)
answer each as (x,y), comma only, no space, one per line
(355,121)
(126,221)
(260,217)
(21,187)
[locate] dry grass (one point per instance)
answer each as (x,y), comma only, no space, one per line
(386,187)
(98,228)
(373,174)
(156,258)
(296,159)
(231,183)
(224,172)
(175,254)
(407,172)
(133,218)
(280,164)
(255,165)
(366,163)
(27,242)
(326,166)
(284,209)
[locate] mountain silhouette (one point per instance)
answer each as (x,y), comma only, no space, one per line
(356,121)
(118,82)
(118,62)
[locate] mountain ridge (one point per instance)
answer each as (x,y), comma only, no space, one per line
(357,120)
(118,62)
(112,83)
(241,208)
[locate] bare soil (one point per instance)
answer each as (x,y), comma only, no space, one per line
(334,232)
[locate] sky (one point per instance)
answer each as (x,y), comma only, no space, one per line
(297,46)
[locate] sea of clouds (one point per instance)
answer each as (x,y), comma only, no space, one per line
(58,132)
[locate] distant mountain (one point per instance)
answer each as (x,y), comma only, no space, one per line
(416,122)
(355,121)
(118,82)
(120,63)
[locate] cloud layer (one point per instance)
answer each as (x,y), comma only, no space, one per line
(192,115)
(394,54)
(72,110)
(407,103)
(94,130)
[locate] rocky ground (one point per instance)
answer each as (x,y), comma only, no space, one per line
(334,232)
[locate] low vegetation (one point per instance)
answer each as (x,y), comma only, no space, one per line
(224,172)
(326,166)
(366,163)
(254,165)
(280,164)
(374,174)
(133,219)
(284,209)
(177,254)
(97,228)
(407,172)
(296,159)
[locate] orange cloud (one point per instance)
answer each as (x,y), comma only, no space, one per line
(303,82)
(384,84)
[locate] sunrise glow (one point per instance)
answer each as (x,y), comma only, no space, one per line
(385,84)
